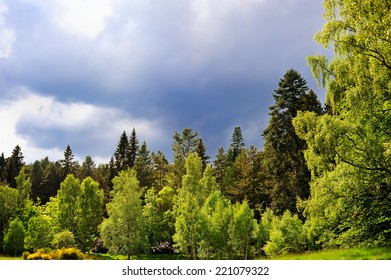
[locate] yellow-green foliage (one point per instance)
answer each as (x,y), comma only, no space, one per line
(286,235)
(59,254)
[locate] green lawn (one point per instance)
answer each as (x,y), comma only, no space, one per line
(359,253)
(139,257)
(9,258)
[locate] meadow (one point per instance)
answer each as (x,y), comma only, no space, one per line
(358,253)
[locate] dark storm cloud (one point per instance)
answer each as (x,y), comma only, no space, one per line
(208,65)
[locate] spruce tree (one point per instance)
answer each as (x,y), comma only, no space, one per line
(36,179)
(14,165)
(87,168)
(287,173)
(133,149)
(68,164)
(3,168)
(237,144)
(219,166)
(51,180)
(143,167)
(200,149)
(121,153)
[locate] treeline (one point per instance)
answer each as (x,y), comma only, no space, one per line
(322,179)
(238,179)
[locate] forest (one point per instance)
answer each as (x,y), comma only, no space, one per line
(322,179)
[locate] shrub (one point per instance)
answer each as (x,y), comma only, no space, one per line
(58,254)
(72,254)
(286,235)
(41,254)
(64,239)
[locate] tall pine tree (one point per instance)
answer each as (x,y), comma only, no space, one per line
(14,165)
(3,168)
(237,144)
(133,149)
(200,149)
(143,167)
(68,164)
(287,173)
(121,153)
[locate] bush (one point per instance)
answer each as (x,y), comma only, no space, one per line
(41,254)
(71,254)
(286,235)
(64,239)
(59,254)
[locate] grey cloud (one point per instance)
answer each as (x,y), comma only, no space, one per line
(162,60)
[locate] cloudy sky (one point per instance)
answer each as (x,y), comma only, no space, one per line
(80,72)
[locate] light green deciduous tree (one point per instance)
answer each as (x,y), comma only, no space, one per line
(123,231)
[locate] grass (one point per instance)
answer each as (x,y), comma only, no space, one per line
(358,253)
(138,257)
(2,257)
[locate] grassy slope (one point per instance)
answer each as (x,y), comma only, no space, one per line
(359,253)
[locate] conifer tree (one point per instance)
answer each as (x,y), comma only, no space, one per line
(288,176)
(14,165)
(200,149)
(121,153)
(68,164)
(51,180)
(219,168)
(36,179)
(237,144)
(87,168)
(133,148)
(143,166)
(113,171)
(3,168)
(160,169)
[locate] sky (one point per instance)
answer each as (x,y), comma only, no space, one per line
(80,72)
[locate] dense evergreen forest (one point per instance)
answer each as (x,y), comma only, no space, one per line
(322,179)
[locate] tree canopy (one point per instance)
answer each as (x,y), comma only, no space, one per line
(348,148)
